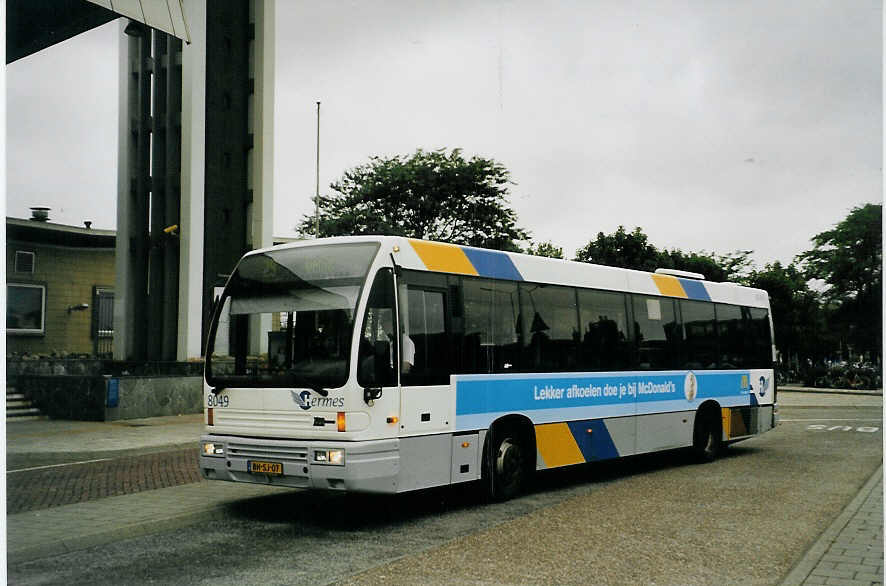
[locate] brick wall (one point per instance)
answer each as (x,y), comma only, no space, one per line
(70,275)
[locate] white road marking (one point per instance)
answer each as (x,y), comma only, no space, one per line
(793,420)
(57,465)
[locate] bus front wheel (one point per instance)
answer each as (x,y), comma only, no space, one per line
(507,465)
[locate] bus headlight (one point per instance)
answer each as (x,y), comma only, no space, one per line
(213,449)
(335,457)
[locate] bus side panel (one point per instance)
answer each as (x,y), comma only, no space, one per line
(664,431)
(425,461)
(589,440)
(427,409)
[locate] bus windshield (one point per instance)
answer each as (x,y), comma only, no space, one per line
(287,316)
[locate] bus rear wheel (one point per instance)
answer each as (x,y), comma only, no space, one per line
(507,467)
(707,440)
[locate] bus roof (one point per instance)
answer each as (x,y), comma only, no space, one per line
(426,255)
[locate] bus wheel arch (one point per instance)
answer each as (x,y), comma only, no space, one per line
(707,433)
(509,457)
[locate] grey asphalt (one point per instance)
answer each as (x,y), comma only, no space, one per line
(837,557)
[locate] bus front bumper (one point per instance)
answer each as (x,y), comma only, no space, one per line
(367,466)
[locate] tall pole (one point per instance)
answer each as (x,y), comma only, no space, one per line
(317,186)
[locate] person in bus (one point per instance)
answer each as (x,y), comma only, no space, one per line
(407,346)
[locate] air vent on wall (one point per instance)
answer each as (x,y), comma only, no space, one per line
(24,261)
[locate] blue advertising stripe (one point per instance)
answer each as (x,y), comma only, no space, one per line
(489,263)
(593,439)
(523,393)
(695,289)
(472,421)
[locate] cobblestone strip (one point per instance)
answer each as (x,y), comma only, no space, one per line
(33,490)
(850,551)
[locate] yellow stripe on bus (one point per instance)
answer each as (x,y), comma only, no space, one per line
(556,445)
(443,257)
(669,286)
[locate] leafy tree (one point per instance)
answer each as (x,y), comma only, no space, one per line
(630,250)
(849,259)
(546,248)
(697,262)
(434,195)
(797,315)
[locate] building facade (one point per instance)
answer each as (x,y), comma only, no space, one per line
(59,289)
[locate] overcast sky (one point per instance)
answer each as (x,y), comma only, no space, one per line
(714,126)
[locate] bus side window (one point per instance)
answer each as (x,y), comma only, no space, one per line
(700,331)
(476,341)
(656,332)
(604,336)
(425,326)
(732,330)
(760,356)
(549,324)
(377,352)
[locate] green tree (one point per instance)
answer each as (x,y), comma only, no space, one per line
(849,259)
(630,250)
(434,195)
(546,248)
(696,262)
(797,314)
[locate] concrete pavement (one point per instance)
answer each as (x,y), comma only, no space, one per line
(838,556)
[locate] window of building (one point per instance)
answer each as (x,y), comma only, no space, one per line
(25,308)
(103,321)
(25,262)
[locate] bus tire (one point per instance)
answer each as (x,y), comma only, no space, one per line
(508,465)
(707,438)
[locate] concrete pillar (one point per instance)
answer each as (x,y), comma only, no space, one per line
(133,188)
(260,163)
(193,171)
(262,123)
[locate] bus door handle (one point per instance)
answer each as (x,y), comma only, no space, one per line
(371,393)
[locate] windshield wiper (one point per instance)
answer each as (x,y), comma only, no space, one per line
(319,390)
(296,382)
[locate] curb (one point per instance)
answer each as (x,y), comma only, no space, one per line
(792,389)
(70,457)
(813,555)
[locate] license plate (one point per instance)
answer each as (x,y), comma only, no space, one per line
(269,468)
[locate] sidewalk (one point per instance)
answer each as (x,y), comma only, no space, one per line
(801,389)
(46,532)
(850,551)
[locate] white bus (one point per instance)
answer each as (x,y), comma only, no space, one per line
(500,364)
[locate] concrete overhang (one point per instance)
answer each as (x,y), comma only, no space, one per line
(165,15)
(34,25)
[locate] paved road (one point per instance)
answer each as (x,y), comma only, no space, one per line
(745,519)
